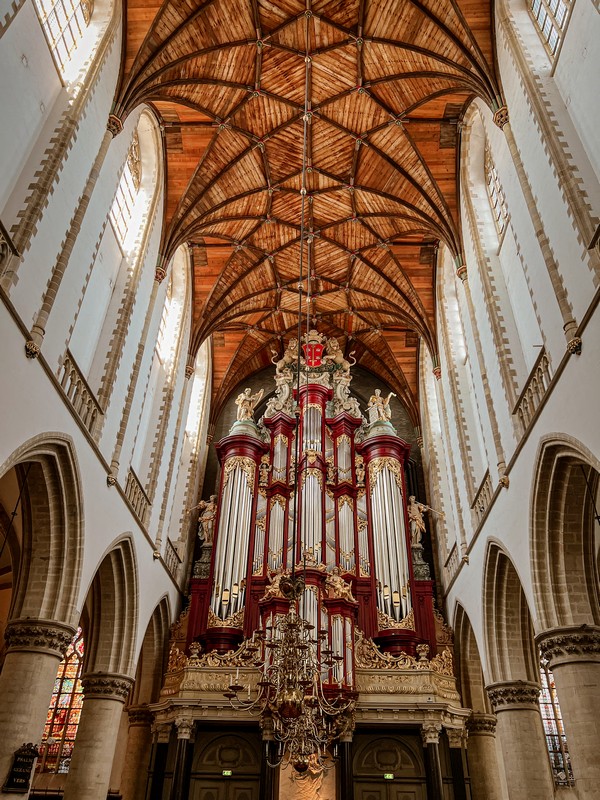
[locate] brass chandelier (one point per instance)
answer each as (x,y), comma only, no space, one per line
(297,700)
(303,717)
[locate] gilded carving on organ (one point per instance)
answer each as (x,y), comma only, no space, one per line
(263,471)
(337,586)
(290,357)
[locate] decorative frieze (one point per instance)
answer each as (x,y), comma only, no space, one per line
(565,645)
(512,696)
(39,635)
(107,686)
(368,656)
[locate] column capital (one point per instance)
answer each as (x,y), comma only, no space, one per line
(140,716)
(114,124)
(501,117)
(481,724)
(566,645)
(162,732)
(106,686)
(430,733)
(36,635)
(185,727)
(513,695)
(457,737)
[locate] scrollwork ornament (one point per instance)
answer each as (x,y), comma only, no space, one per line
(244,463)
(376,467)
(234,621)
(385,622)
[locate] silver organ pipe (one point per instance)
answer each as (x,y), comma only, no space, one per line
(349,521)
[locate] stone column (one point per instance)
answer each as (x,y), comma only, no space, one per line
(344,767)
(483,758)
(457,739)
(89,773)
(430,733)
(137,757)
(34,651)
(158,761)
(181,775)
(573,655)
(521,735)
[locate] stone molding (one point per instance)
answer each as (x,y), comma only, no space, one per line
(482,725)
(37,635)
(140,716)
(107,686)
(114,124)
(570,644)
(430,733)
(514,695)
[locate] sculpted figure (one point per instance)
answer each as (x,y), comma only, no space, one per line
(360,471)
(415,518)
(334,354)
(274,589)
(282,400)
(246,403)
(337,585)
(379,407)
(289,357)
(206,520)
(263,470)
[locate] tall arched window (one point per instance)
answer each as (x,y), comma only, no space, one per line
(64,712)
(495,193)
(119,262)
(64,23)
(554,729)
(550,17)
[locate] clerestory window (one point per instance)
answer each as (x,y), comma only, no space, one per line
(550,17)
(64,23)
(495,194)
(121,210)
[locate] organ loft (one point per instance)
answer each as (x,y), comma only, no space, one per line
(316,490)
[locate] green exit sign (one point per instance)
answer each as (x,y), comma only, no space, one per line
(388,776)
(227,773)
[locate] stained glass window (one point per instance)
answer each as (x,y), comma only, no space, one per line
(64,712)
(550,17)
(553,729)
(64,22)
(495,194)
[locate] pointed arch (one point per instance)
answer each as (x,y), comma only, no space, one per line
(110,613)
(564,533)
(52,546)
(151,661)
(468,664)
(511,652)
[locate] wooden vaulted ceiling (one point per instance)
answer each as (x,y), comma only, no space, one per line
(388,83)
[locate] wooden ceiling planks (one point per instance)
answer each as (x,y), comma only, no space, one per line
(387,83)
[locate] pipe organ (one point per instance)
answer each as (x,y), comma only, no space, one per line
(319,487)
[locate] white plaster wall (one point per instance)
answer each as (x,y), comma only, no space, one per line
(32,407)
